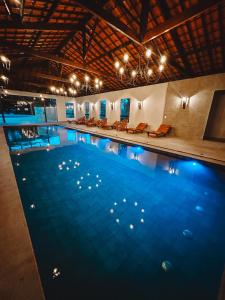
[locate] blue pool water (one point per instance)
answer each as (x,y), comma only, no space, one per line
(105,217)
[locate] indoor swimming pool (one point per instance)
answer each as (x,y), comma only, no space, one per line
(114,221)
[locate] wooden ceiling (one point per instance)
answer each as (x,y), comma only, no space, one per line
(48,40)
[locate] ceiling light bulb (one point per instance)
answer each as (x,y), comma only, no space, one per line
(96,80)
(100,83)
(148,53)
(121,70)
(4,78)
(61,90)
(74,76)
(163,59)
(133,73)
(126,57)
(57,91)
(52,88)
(77,83)
(4,59)
(117,64)
(86,78)
(97,86)
(150,72)
(161,67)
(71,79)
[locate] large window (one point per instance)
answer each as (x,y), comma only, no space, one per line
(124,109)
(27,110)
(102,109)
(87,109)
(69,110)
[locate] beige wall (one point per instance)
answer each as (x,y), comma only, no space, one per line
(162,103)
(191,122)
(153,99)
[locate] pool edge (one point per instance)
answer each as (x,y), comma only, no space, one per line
(19,276)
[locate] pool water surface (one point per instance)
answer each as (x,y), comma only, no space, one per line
(112,221)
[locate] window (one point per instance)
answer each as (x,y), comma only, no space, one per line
(102,109)
(69,110)
(87,109)
(124,109)
(27,110)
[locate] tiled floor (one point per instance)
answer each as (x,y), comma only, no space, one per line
(19,278)
(209,151)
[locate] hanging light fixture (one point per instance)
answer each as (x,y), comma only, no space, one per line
(5,61)
(146,69)
(88,84)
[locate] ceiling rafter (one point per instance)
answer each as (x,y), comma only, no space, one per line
(53,58)
(41,26)
(15,17)
(145,6)
(109,18)
(110,52)
(166,14)
(70,36)
(92,32)
(181,18)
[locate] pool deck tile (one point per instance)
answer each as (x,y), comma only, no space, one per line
(19,277)
(208,151)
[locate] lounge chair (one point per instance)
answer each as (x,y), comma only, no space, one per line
(90,121)
(161,131)
(113,126)
(102,123)
(80,120)
(123,125)
(139,128)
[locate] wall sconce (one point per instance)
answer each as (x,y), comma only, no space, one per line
(184,102)
(112,105)
(140,104)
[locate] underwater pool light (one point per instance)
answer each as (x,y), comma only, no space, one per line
(55,273)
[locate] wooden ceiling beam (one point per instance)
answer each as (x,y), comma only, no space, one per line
(179,19)
(46,76)
(40,26)
(54,58)
(165,11)
(109,18)
(12,14)
(110,52)
(145,6)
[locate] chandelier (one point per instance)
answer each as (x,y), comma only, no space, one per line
(76,86)
(5,62)
(145,69)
